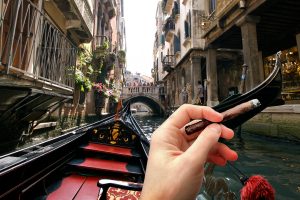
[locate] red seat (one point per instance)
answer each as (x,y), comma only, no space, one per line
(127,152)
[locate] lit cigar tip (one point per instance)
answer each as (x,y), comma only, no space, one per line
(255,103)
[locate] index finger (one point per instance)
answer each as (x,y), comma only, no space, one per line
(187,112)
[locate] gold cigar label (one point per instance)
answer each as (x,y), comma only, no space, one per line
(227,115)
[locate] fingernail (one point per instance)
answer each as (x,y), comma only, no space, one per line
(216,128)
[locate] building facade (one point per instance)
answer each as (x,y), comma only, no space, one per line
(47,59)
(109,49)
(178,50)
(210,41)
(229,46)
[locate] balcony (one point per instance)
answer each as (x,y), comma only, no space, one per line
(184,2)
(78,17)
(101,45)
(168,63)
(34,48)
(176,11)
(169,29)
(85,12)
(36,68)
(167,5)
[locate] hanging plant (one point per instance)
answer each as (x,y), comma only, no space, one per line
(84,58)
(109,62)
(121,56)
(87,85)
(163,6)
(108,90)
(105,45)
(111,57)
(82,81)
(84,64)
(90,70)
(102,50)
(102,88)
(104,61)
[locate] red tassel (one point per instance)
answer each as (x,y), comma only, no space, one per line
(257,188)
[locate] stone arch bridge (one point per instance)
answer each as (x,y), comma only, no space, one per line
(148,95)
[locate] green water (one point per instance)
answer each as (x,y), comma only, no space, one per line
(278,161)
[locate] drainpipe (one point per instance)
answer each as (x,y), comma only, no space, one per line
(95,20)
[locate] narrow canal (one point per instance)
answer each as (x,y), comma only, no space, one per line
(277,160)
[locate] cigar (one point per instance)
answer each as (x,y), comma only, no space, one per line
(227,115)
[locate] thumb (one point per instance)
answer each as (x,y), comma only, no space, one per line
(207,139)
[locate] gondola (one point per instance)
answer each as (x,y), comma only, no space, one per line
(105,159)
(268,93)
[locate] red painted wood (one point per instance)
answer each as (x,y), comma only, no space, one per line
(89,190)
(100,164)
(68,188)
(108,149)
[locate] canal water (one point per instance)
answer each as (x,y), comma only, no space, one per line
(278,161)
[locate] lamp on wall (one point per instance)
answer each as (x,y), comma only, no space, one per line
(242,4)
(206,21)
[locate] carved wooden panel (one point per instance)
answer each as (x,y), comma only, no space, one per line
(114,134)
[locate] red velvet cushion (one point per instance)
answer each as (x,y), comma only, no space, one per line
(120,194)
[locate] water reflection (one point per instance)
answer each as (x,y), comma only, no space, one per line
(148,123)
(278,161)
(40,138)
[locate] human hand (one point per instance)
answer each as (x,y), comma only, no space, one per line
(176,161)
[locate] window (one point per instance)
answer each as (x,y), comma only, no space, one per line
(187,26)
(162,40)
(177,43)
(212,6)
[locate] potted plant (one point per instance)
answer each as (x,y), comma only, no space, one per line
(102,50)
(121,57)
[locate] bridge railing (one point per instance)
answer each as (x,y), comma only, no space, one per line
(141,90)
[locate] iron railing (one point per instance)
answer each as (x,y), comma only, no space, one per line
(150,90)
(175,10)
(169,25)
(168,63)
(30,44)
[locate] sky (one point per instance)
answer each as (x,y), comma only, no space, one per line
(140,30)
